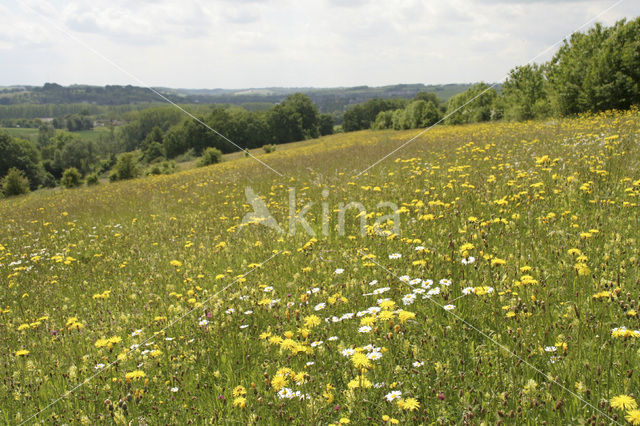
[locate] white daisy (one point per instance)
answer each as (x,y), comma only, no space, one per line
(393,395)
(347,352)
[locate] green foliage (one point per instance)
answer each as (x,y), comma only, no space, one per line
(67,150)
(210,156)
(269,148)
(472,106)
(78,122)
(144,122)
(15,183)
(23,155)
(126,167)
(92,179)
(153,152)
(363,116)
(174,141)
(597,70)
(295,119)
(524,93)
(71,178)
(418,114)
(325,124)
(163,168)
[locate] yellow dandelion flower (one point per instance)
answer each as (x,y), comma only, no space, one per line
(240,402)
(633,417)
(623,402)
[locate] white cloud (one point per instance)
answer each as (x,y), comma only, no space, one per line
(254,43)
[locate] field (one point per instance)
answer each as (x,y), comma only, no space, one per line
(498,284)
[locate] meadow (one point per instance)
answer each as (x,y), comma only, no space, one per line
(505,291)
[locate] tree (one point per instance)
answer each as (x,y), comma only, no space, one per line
(421,113)
(153,152)
(325,124)
(362,116)
(597,70)
(430,97)
(384,120)
(296,118)
(68,150)
(524,93)
(22,155)
(71,178)
(126,167)
(143,122)
(210,156)
(15,183)
(175,141)
(474,105)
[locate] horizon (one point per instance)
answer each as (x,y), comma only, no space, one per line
(247,88)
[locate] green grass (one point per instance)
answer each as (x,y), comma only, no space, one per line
(227,313)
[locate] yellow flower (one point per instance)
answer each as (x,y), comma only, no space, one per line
(623,402)
(22,352)
(239,391)
(404,316)
(633,417)
(311,321)
(360,360)
(278,382)
(410,404)
(176,263)
(134,375)
(240,402)
(344,421)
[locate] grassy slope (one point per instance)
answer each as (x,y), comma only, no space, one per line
(101,258)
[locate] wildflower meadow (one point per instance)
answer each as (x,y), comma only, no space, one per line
(482,274)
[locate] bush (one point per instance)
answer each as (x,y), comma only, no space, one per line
(71,178)
(15,183)
(163,168)
(210,156)
(126,167)
(269,148)
(92,179)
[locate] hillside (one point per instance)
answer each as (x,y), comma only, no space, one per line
(497,283)
(327,99)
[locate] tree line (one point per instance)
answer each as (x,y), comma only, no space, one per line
(593,71)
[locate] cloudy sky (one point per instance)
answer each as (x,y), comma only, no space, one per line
(294,43)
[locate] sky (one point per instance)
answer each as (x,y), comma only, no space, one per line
(288,43)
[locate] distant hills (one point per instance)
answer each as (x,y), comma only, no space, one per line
(329,100)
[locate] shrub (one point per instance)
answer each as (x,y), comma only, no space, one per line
(163,168)
(92,179)
(71,178)
(269,148)
(210,156)
(15,183)
(126,167)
